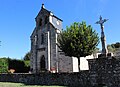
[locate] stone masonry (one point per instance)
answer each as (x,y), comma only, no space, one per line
(45,54)
(104,72)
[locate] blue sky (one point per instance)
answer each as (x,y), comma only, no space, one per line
(17,20)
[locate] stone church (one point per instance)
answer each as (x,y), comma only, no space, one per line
(45,53)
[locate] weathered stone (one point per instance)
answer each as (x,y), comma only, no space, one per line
(44,44)
(105,72)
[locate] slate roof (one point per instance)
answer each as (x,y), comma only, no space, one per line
(47,11)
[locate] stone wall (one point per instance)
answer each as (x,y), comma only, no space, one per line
(103,71)
(65,63)
(63,79)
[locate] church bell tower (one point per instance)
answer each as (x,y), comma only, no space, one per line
(44,49)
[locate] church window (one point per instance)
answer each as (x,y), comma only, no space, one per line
(42,38)
(42,63)
(58,22)
(46,20)
(35,39)
(40,22)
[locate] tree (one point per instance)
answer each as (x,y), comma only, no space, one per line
(78,40)
(96,50)
(3,65)
(113,47)
(26,60)
(116,45)
(19,66)
(27,56)
(110,48)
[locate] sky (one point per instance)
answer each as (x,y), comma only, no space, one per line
(17,20)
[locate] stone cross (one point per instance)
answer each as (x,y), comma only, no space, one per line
(103,41)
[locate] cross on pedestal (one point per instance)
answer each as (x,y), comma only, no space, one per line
(103,41)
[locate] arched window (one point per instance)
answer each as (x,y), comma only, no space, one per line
(40,22)
(42,63)
(42,38)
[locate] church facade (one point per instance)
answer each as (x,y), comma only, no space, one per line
(45,53)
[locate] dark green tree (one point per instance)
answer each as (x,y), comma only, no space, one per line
(19,66)
(27,60)
(78,40)
(3,65)
(96,50)
(116,45)
(113,47)
(27,56)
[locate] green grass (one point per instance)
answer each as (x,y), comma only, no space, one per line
(8,84)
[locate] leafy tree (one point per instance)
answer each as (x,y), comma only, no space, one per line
(96,50)
(116,45)
(20,66)
(78,40)
(27,56)
(113,47)
(3,65)
(27,61)
(17,65)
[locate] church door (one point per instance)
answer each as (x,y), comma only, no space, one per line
(42,63)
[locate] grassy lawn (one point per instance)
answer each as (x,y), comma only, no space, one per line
(7,84)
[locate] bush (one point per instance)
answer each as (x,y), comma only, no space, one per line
(20,66)
(3,65)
